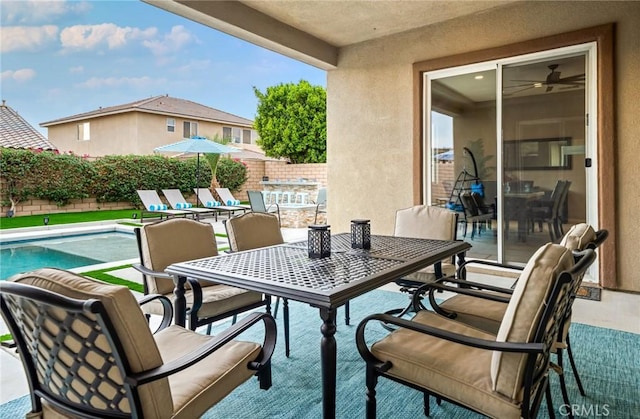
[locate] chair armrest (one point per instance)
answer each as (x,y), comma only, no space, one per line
(195,286)
(518,347)
(463,283)
(146,271)
(462,268)
(213,345)
(167,307)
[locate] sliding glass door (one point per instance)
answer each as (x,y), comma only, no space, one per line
(506,147)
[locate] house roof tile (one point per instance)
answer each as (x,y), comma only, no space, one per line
(162,105)
(15,132)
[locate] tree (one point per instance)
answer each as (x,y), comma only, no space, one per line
(292,122)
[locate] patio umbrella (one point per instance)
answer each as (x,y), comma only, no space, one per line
(197,145)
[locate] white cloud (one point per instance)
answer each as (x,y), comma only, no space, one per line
(20,38)
(76,70)
(88,37)
(113,82)
(22,75)
(38,11)
(171,42)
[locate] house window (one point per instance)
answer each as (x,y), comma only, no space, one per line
(171,125)
(226,133)
(246,136)
(190,129)
(236,135)
(84,132)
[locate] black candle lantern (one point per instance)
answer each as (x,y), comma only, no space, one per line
(360,234)
(45,220)
(319,241)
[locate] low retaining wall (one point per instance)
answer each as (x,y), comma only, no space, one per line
(41,206)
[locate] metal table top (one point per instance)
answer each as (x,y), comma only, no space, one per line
(287,271)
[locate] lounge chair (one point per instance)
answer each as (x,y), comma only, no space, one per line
(227,198)
(207,200)
(154,205)
(177,202)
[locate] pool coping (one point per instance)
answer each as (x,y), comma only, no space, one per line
(46,232)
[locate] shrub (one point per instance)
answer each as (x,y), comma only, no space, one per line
(231,173)
(63,177)
(45,175)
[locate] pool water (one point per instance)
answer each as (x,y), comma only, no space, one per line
(66,252)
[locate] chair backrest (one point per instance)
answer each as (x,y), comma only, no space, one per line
(204,195)
(175,197)
(426,222)
(149,197)
(469,205)
(322,196)
(225,195)
(525,319)
(256,201)
(253,230)
(105,338)
(171,241)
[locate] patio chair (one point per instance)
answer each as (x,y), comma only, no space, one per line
(207,200)
(425,222)
(321,203)
(476,213)
(177,201)
(254,230)
(549,210)
(256,201)
(483,306)
(178,240)
(88,352)
(154,205)
(227,198)
(503,375)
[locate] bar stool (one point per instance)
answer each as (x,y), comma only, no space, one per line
(275,195)
(302,198)
(288,195)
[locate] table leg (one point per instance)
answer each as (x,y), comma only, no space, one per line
(460,258)
(328,357)
(180,303)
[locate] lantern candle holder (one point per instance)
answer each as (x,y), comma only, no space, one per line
(319,241)
(360,234)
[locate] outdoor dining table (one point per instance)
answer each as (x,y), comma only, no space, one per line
(287,271)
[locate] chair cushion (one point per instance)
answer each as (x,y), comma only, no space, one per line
(523,314)
(425,221)
(195,389)
(483,314)
(578,237)
(428,274)
(460,373)
(253,230)
(171,241)
(128,322)
(216,299)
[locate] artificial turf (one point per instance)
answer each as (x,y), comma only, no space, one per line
(66,218)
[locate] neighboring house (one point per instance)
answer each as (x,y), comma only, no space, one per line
(15,132)
(139,127)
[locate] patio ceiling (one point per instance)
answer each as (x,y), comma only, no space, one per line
(313,31)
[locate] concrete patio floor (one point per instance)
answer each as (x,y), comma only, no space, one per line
(616,310)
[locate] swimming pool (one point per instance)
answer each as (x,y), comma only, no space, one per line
(66,252)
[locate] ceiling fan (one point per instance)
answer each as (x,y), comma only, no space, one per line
(553,79)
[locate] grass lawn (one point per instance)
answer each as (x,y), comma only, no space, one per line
(66,218)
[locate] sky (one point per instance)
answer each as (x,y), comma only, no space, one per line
(61,58)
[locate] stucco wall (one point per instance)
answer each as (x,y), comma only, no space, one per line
(370,110)
(126,133)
